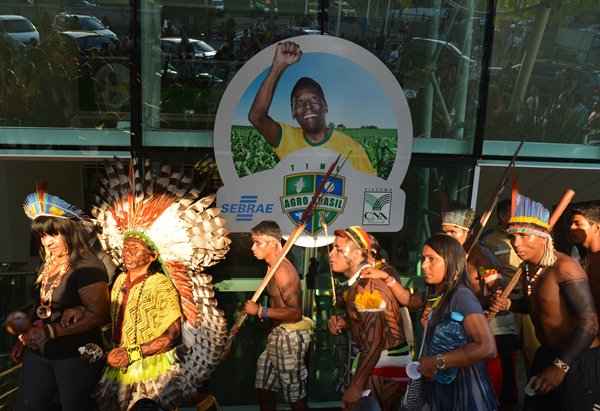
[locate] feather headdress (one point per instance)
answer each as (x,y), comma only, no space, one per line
(41,203)
(530,217)
(459,217)
(165,211)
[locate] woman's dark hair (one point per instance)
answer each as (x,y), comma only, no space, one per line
(456,267)
(72,231)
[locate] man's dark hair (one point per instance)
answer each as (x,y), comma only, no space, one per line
(307,83)
(590,210)
(268,227)
(73,232)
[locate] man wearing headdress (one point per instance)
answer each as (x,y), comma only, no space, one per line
(309,109)
(282,366)
(585,231)
(146,324)
(562,308)
(373,318)
(167,334)
(483,268)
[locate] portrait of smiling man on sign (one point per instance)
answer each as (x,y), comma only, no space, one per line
(309,109)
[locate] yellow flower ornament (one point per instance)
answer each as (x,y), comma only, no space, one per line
(369,301)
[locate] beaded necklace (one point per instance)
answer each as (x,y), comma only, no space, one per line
(51,277)
(532,279)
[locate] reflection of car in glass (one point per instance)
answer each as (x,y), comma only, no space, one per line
(219,4)
(197,75)
(19,28)
(172,47)
(88,42)
(80,22)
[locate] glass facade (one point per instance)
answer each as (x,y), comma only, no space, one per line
(86,80)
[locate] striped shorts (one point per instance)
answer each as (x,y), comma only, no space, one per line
(281,367)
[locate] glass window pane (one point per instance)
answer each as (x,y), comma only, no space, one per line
(191,51)
(435,51)
(545,80)
(64,65)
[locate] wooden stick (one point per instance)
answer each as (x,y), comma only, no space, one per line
(558,211)
(485,217)
(325,231)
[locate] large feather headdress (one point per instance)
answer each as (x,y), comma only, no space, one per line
(166,212)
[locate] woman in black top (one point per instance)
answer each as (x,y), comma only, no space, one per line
(71,305)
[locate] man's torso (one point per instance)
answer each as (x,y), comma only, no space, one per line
(276,299)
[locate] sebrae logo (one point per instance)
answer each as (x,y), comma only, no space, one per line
(377,205)
(298,190)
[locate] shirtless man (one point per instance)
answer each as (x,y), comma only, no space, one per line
(563,312)
(585,231)
(281,367)
(373,318)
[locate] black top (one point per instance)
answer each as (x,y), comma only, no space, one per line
(87,271)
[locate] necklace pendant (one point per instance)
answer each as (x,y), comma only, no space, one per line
(43,311)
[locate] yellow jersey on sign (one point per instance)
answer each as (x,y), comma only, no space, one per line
(292,139)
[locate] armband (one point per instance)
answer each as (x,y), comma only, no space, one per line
(134,353)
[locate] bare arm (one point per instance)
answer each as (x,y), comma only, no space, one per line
(165,342)
(286,53)
(95,300)
(481,347)
(579,299)
(401,294)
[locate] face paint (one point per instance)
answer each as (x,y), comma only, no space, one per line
(136,254)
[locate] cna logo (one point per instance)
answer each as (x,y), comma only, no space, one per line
(377,205)
(246,208)
(299,189)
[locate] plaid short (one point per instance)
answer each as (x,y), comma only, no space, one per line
(281,367)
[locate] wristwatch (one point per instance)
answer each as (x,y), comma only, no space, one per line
(560,364)
(440,362)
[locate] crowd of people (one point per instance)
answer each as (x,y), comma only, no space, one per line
(153,337)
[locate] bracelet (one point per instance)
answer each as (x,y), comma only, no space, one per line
(265,313)
(51,332)
(440,362)
(561,365)
(134,353)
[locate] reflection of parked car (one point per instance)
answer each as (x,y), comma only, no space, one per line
(80,22)
(172,47)
(19,28)
(88,42)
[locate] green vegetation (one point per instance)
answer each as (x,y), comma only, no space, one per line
(251,152)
